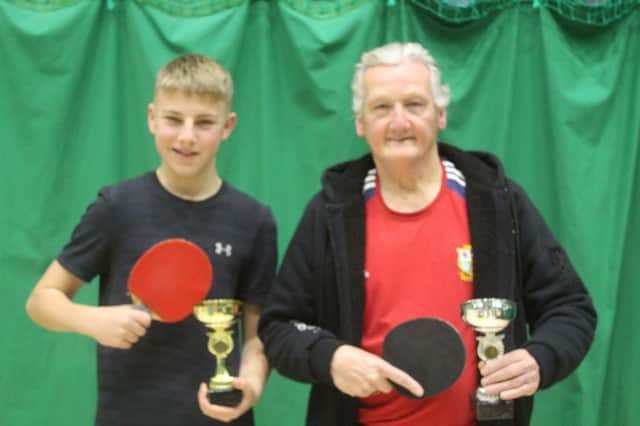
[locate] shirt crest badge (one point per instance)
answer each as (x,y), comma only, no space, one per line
(465,263)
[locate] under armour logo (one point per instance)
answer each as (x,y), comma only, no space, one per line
(220,248)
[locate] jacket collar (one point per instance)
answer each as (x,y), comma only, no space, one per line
(344,180)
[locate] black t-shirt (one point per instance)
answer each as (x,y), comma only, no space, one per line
(156,381)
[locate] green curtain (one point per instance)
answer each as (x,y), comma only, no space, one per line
(551,90)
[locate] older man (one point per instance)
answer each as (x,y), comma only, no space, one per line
(412,230)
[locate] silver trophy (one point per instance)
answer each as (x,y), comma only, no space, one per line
(489,317)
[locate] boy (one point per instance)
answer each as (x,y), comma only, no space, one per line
(149,371)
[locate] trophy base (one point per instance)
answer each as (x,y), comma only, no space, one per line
(225,397)
(498,410)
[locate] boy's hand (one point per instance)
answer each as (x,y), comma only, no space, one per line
(227,414)
(117,326)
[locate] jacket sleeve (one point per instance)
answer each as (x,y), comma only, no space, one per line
(559,310)
(295,343)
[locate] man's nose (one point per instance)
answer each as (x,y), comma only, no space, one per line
(399,117)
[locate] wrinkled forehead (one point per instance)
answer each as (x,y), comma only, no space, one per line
(393,79)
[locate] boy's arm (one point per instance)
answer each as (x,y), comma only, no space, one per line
(254,370)
(254,366)
(50,305)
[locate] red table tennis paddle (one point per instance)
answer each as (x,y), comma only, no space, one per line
(170,278)
(428,349)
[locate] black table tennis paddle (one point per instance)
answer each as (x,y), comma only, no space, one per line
(428,349)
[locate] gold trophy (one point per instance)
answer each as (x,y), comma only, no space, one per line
(490,316)
(219,315)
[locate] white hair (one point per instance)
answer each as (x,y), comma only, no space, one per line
(393,54)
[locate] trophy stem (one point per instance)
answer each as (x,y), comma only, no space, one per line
(222,378)
(482,395)
(490,346)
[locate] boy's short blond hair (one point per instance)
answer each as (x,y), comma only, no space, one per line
(195,74)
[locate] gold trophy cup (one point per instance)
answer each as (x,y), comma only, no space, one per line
(219,315)
(489,317)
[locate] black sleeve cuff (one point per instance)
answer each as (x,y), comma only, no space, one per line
(321,355)
(545,358)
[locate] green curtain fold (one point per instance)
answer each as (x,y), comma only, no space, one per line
(556,99)
(191,7)
(43,5)
(589,12)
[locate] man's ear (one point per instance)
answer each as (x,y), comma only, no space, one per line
(442,118)
(359,126)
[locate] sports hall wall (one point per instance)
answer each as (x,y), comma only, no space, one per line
(552,87)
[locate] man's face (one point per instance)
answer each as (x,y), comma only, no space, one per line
(188,131)
(399,118)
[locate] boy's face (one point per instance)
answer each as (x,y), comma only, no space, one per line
(188,131)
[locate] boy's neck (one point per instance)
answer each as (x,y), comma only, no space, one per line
(188,188)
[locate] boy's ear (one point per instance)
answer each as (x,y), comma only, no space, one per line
(229,125)
(151,119)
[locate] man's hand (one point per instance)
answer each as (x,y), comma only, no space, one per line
(511,376)
(228,414)
(359,373)
(117,326)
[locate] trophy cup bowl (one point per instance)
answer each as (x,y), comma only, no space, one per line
(490,316)
(219,315)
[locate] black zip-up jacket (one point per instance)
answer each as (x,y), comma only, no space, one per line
(318,298)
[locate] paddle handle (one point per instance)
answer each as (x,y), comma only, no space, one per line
(138,305)
(142,307)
